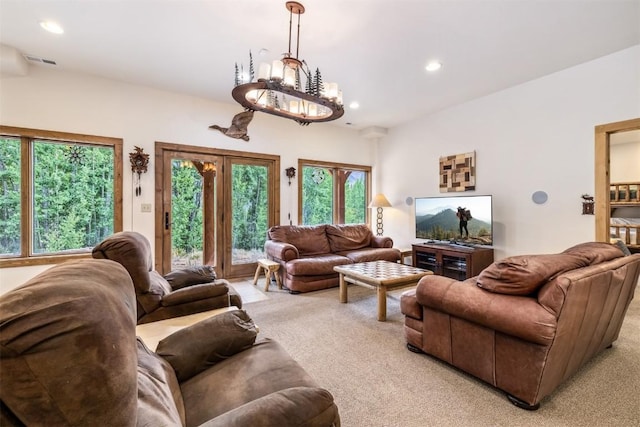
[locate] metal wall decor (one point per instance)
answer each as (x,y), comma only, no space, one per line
(139,162)
(238,128)
(458,172)
(75,154)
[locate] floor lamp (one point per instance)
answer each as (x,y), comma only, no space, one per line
(379,201)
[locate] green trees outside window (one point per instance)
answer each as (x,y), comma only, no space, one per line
(10,200)
(334,194)
(58,195)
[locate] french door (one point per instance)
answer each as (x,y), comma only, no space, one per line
(213,207)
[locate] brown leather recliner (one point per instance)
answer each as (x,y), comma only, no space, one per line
(178,293)
(70,356)
(526,323)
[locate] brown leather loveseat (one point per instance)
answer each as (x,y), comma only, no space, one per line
(307,254)
(526,323)
(70,356)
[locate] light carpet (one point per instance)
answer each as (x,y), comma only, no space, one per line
(376,381)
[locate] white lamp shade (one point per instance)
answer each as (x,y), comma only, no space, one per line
(379,201)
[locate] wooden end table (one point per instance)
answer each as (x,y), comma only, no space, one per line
(378,275)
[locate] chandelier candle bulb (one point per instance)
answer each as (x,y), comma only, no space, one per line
(332,90)
(277,68)
(313,110)
(293,107)
(264,72)
(289,76)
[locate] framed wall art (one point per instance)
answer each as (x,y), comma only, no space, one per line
(458,172)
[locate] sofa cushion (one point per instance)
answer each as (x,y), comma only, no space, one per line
(160,400)
(595,252)
(133,251)
(372,254)
(316,266)
(196,348)
(524,274)
(262,369)
(348,237)
(190,276)
(309,240)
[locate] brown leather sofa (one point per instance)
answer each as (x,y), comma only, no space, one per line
(526,323)
(178,293)
(307,254)
(70,356)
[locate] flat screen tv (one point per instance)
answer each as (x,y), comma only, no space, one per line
(437,219)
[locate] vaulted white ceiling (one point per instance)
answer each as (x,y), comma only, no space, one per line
(375,50)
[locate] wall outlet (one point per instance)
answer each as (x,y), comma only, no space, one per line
(145,207)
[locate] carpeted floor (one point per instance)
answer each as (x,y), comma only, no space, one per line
(376,381)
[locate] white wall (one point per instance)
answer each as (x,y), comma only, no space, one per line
(624,161)
(55,100)
(535,136)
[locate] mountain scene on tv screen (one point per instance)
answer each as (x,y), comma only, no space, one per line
(444,225)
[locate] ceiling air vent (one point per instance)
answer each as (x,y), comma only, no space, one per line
(39,60)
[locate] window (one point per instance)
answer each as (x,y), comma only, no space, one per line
(61,194)
(333,193)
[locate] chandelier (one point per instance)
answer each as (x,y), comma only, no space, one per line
(279,89)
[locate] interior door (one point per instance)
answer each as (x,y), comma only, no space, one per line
(190,210)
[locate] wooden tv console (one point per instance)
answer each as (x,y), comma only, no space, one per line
(451,260)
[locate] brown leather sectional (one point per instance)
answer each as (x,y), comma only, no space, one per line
(307,254)
(526,323)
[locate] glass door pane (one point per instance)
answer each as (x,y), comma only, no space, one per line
(192,210)
(249,212)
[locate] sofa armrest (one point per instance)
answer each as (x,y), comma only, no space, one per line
(197,347)
(518,316)
(381,242)
(280,251)
(296,406)
(194,293)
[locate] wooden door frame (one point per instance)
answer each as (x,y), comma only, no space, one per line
(161,148)
(602,208)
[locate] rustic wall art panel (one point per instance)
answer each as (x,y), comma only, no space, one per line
(458,172)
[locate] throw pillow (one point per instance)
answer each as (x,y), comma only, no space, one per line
(191,276)
(620,245)
(595,252)
(196,348)
(524,274)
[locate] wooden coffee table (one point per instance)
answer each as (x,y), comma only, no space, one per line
(378,275)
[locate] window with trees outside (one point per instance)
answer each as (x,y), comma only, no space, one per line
(333,193)
(61,194)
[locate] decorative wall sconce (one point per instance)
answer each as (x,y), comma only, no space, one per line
(291,173)
(139,162)
(587,204)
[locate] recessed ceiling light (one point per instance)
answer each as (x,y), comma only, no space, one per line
(52,27)
(354,105)
(433,66)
